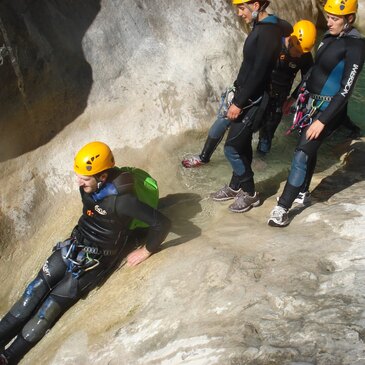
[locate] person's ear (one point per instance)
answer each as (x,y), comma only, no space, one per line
(103,176)
(351,18)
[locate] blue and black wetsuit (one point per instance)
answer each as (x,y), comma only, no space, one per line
(282,79)
(338,63)
(260,53)
(77,265)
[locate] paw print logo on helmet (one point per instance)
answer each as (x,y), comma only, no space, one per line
(341,7)
(304,35)
(93,158)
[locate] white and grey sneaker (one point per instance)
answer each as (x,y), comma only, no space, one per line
(303,198)
(278,217)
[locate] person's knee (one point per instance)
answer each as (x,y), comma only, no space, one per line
(37,327)
(231,153)
(298,168)
(31,298)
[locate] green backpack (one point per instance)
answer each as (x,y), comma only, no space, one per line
(146,190)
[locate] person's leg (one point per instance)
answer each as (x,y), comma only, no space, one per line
(215,136)
(51,272)
(273,118)
(238,151)
(65,294)
(301,172)
(241,164)
(52,308)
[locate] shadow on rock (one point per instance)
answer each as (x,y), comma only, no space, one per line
(47,78)
(352,172)
(270,186)
(181,208)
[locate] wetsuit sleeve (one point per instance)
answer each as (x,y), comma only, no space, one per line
(159,225)
(306,63)
(354,60)
(266,54)
(286,27)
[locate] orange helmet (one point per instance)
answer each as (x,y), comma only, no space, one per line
(304,35)
(93,158)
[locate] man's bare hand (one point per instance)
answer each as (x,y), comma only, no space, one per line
(233,112)
(137,256)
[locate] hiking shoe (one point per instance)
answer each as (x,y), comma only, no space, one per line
(244,202)
(303,198)
(224,193)
(278,217)
(193,161)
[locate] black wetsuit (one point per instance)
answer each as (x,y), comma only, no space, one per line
(77,265)
(282,79)
(260,53)
(338,63)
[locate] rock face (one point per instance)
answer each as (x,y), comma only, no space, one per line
(226,289)
(159,64)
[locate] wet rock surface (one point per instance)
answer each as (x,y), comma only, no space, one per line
(226,288)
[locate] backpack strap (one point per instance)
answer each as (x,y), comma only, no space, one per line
(124,183)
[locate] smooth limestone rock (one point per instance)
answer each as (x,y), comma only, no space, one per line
(226,289)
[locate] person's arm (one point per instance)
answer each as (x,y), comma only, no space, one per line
(353,64)
(266,53)
(306,63)
(354,61)
(159,225)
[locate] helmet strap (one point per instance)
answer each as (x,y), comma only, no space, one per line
(255,13)
(99,180)
(347,27)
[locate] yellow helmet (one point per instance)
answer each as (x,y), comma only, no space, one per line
(238,2)
(93,158)
(341,7)
(304,35)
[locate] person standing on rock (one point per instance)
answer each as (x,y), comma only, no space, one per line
(260,53)
(294,56)
(111,206)
(321,104)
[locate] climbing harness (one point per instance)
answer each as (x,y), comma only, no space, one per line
(226,101)
(80,258)
(307,107)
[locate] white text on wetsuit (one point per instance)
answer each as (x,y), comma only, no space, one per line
(350,80)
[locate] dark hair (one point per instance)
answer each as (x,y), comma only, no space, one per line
(108,171)
(263,3)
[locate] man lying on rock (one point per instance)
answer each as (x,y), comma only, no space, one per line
(116,203)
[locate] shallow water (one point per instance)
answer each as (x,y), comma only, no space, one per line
(273,168)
